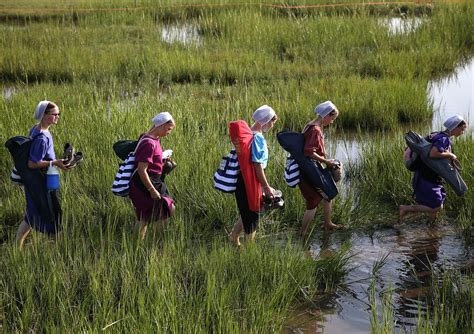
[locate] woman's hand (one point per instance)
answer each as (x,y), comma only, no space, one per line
(329,163)
(154,193)
(60,164)
(453,156)
(268,191)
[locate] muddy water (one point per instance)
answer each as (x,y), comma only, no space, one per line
(411,249)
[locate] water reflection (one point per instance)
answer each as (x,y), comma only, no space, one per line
(401,25)
(453,95)
(412,252)
(185,34)
(347,150)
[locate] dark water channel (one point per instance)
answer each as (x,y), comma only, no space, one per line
(411,252)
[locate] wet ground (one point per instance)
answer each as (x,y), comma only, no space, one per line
(411,252)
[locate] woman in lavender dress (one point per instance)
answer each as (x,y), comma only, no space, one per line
(41,156)
(148,191)
(427,185)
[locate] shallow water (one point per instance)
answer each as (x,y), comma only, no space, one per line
(453,94)
(185,34)
(411,248)
(400,25)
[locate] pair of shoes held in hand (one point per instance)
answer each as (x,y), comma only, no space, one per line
(70,158)
(276,202)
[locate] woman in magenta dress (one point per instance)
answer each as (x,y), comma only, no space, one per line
(148,191)
(427,185)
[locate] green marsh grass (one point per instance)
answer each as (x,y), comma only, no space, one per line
(165,284)
(450,301)
(382,317)
(383,177)
(110,73)
(339,56)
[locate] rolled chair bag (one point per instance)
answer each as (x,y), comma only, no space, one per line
(317,176)
(46,202)
(242,136)
(443,167)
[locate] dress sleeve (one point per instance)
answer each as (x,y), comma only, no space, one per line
(145,151)
(259,149)
(314,142)
(443,144)
(38,149)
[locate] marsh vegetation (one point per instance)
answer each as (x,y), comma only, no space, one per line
(111,71)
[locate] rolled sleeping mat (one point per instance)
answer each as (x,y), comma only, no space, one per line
(314,173)
(443,167)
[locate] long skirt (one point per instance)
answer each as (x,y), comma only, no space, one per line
(311,195)
(147,208)
(428,193)
(36,221)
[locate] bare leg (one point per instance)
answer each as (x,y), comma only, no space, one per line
(22,233)
(405,210)
(172,210)
(250,237)
(236,230)
(307,218)
(140,228)
(433,216)
(327,210)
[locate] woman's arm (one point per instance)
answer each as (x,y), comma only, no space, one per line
(436,154)
(267,190)
(44,164)
(141,170)
(322,159)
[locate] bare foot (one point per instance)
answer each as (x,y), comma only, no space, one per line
(302,232)
(332,226)
(235,240)
(402,212)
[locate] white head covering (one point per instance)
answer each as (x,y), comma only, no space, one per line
(452,122)
(40,109)
(263,115)
(325,108)
(162,118)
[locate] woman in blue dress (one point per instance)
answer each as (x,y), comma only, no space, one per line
(427,185)
(265,118)
(41,156)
